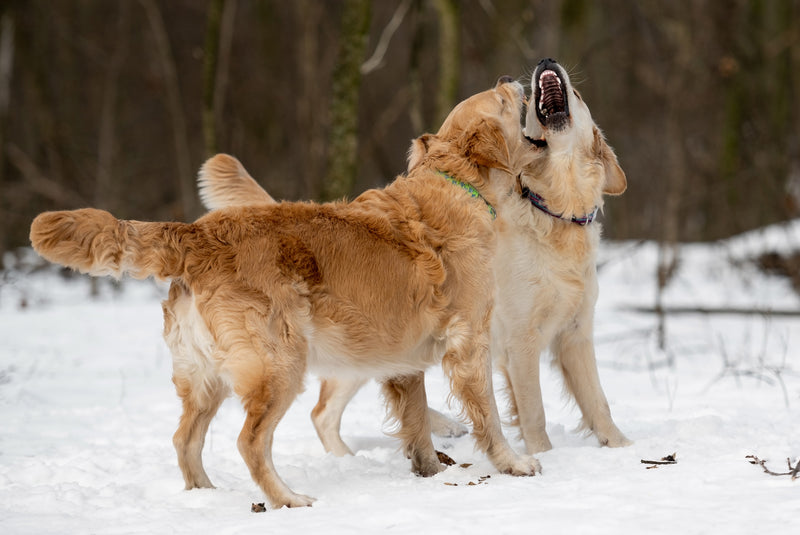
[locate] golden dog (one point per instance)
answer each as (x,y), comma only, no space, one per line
(546,274)
(545,266)
(382,287)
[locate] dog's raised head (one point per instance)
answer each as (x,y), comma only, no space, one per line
(481,133)
(559,122)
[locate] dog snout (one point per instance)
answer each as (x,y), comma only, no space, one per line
(505,79)
(547,62)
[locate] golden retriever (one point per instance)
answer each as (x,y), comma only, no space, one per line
(546,273)
(381,287)
(545,266)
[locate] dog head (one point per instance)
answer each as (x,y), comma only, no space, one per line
(483,131)
(559,121)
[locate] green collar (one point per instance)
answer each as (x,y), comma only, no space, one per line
(471,190)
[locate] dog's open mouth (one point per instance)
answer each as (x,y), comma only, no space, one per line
(550,97)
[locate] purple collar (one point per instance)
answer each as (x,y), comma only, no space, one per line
(539,203)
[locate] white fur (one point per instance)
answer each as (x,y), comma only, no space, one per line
(192,346)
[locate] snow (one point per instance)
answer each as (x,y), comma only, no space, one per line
(87,412)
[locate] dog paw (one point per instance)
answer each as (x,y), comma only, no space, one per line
(517,465)
(294,500)
(613,439)
(616,442)
(525,465)
(427,469)
(444,427)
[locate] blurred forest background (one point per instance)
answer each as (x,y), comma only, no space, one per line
(116,104)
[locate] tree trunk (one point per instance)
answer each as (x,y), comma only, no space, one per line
(6,64)
(310,111)
(449,58)
(415,112)
(105,195)
(210,60)
(222,71)
(343,144)
(189,203)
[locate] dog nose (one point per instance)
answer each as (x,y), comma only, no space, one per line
(505,79)
(547,62)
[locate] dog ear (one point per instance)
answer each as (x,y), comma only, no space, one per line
(615,181)
(484,144)
(418,150)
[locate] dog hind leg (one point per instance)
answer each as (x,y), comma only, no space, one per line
(266,392)
(196,381)
(199,408)
(408,405)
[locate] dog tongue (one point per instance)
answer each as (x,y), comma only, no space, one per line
(552,99)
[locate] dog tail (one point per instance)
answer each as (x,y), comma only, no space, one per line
(224,182)
(95,242)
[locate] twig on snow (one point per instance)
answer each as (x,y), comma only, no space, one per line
(793,470)
(669,459)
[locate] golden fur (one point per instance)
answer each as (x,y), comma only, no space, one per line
(546,279)
(383,287)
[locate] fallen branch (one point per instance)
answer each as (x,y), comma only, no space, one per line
(727,311)
(669,459)
(793,470)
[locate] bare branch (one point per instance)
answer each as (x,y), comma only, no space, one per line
(793,470)
(38,182)
(376,60)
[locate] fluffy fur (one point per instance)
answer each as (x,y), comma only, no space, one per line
(383,287)
(545,268)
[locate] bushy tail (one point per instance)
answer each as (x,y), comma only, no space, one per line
(95,242)
(224,182)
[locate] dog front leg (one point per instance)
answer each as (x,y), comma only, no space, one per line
(408,404)
(334,395)
(522,372)
(574,355)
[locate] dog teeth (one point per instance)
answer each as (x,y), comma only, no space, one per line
(547,78)
(546,74)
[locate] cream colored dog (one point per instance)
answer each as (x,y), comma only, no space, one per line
(381,287)
(545,267)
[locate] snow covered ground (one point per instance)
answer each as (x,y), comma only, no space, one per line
(87,412)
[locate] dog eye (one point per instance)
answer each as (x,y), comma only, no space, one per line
(574,92)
